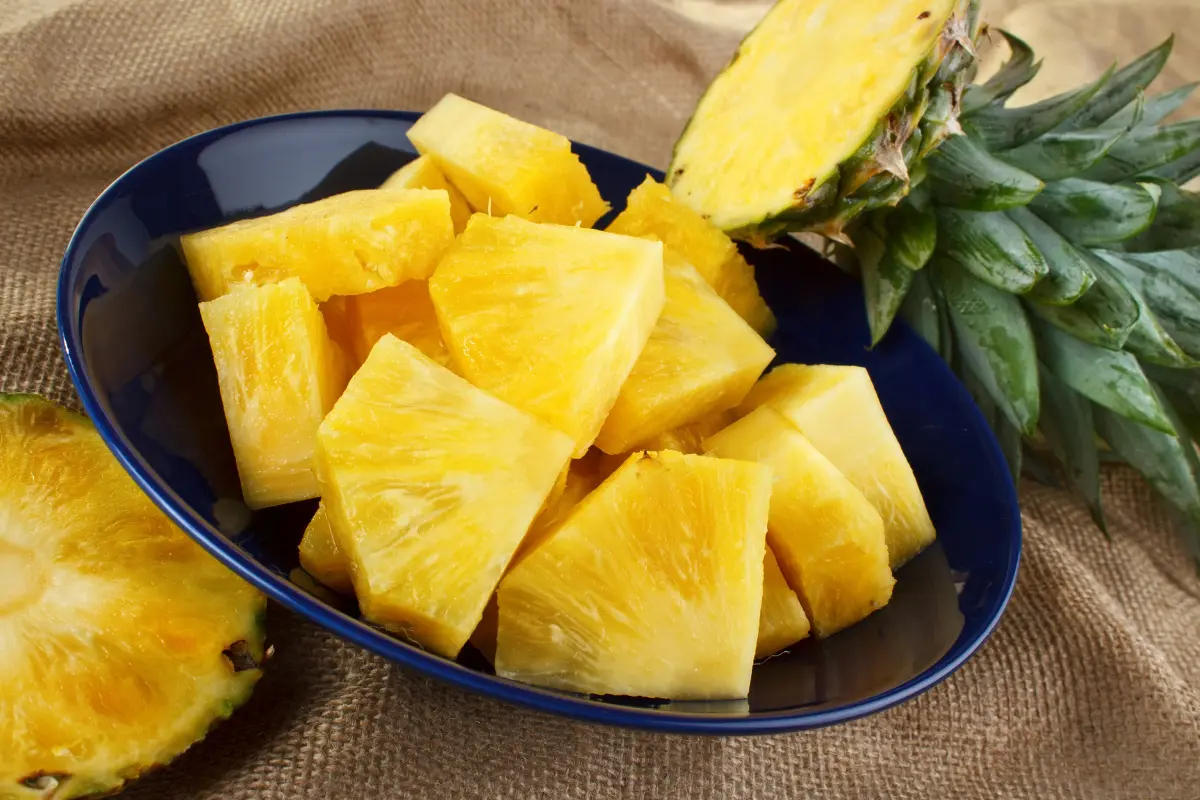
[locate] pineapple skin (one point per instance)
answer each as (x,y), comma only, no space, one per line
(430,485)
(504,166)
(347,244)
(652,587)
(701,359)
(829,541)
(279,374)
(422,173)
(782,622)
(179,603)
(836,409)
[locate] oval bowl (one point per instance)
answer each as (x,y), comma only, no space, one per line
(137,352)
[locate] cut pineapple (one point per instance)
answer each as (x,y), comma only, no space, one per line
(350,243)
(321,556)
(278,374)
(506,166)
(430,485)
(701,359)
(651,587)
(828,539)
(548,318)
(121,640)
(690,438)
(837,409)
(782,622)
(651,211)
(422,173)
(406,312)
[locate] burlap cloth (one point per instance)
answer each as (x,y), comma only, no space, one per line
(1088,688)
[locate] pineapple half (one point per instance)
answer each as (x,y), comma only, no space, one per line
(652,587)
(350,243)
(422,173)
(549,318)
(505,166)
(822,112)
(430,484)
(122,640)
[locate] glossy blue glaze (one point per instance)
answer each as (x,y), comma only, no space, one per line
(136,350)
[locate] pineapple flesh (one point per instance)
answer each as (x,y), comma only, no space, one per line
(651,211)
(430,484)
(828,539)
(405,311)
(422,173)
(652,587)
(321,556)
(586,302)
(782,622)
(836,409)
(350,243)
(123,641)
(505,166)
(701,359)
(279,374)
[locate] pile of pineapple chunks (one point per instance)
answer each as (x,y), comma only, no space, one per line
(552,441)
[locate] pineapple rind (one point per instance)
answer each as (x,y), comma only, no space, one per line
(128,601)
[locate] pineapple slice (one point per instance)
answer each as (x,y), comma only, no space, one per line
(829,540)
(278,374)
(506,166)
(701,359)
(782,622)
(121,640)
(430,485)
(422,173)
(651,587)
(321,556)
(651,211)
(350,243)
(837,409)
(548,318)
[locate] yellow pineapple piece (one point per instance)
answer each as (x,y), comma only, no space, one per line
(406,312)
(651,587)
(549,318)
(505,166)
(430,485)
(321,556)
(690,438)
(278,374)
(652,211)
(782,622)
(422,173)
(350,243)
(701,359)
(828,539)
(837,409)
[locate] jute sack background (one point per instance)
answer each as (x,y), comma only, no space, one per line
(1088,688)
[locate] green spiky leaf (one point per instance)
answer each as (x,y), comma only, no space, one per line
(1062,155)
(1001,128)
(1019,70)
(1007,435)
(1105,315)
(923,310)
(1180,171)
(1092,213)
(1176,225)
(995,340)
(1111,378)
(1149,340)
(992,247)
(912,232)
(1153,110)
(885,280)
(1122,88)
(962,174)
(1069,276)
(1070,431)
(1146,148)
(1171,287)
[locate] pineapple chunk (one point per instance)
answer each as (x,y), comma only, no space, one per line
(782,622)
(837,409)
(320,555)
(690,438)
(651,587)
(506,166)
(828,539)
(430,485)
(350,243)
(701,359)
(549,318)
(406,312)
(422,173)
(651,211)
(278,374)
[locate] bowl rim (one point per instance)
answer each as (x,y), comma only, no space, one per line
(299,601)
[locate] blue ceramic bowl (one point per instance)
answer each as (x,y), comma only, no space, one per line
(137,352)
